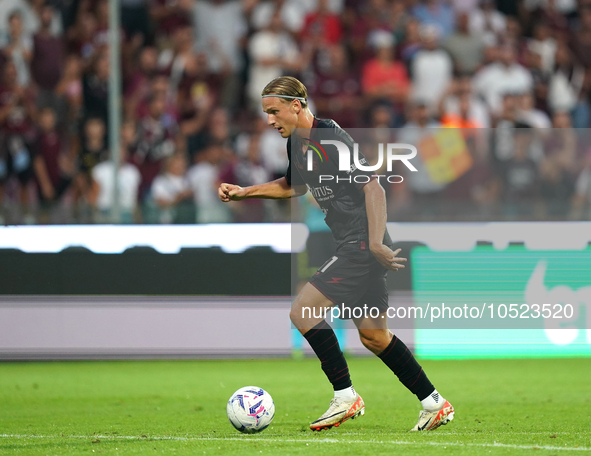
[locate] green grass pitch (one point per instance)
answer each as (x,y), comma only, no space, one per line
(538,407)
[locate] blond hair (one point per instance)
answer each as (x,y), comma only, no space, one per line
(287,86)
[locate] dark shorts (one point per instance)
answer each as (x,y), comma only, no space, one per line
(353,278)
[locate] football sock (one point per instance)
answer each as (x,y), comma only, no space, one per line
(401,361)
(324,342)
(347,393)
(433,402)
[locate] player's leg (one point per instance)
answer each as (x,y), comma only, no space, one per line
(377,338)
(307,316)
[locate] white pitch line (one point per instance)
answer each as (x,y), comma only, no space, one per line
(259,440)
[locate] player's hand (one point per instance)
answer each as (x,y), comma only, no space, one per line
(231,192)
(388,258)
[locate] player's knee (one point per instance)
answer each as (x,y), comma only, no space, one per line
(376,342)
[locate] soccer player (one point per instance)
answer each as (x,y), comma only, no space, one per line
(356,275)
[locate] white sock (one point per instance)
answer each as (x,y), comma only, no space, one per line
(433,402)
(347,393)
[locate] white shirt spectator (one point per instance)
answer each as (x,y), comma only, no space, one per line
(31,22)
(563,92)
(22,66)
(268,45)
(487,25)
(292,14)
(129,179)
(203,180)
(496,80)
(167,187)
(546,50)
(432,72)
(218,30)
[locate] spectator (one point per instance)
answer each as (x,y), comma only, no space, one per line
(217,131)
(135,19)
(411,43)
(69,90)
(519,179)
(156,135)
(173,60)
(504,130)
(290,11)
(431,68)
(171,191)
(438,14)
(566,82)
(272,147)
(171,15)
(31,17)
(204,181)
(383,77)
(223,42)
(272,53)
(54,170)
(460,92)
(92,152)
(196,78)
(544,45)
(488,22)
(17,115)
(502,77)
(195,102)
(465,49)
(48,60)
(424,193)
(18,47)
(337,92)
(322,26)
(360,21)
(128,180)
(138,80)
(80,37)
(245,171)
(159,87)
(95,88)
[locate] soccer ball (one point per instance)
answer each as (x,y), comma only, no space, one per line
(250,409)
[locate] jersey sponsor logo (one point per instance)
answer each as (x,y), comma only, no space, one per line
(321,193)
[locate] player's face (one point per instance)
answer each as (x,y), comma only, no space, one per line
(280,115)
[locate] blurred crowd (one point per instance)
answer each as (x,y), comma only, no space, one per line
(516,72)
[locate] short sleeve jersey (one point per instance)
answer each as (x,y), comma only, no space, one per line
(339,193)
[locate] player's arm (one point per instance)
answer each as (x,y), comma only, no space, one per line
(375,204)
(277,189)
